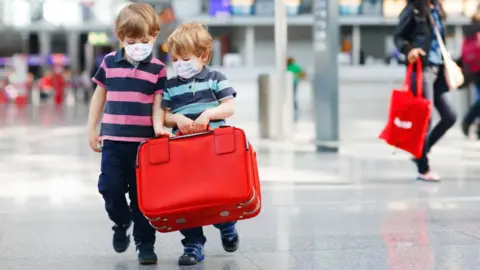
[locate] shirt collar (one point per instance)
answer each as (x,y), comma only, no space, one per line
(120,56)
(203,74)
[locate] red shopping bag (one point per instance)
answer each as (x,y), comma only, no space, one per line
(408,116)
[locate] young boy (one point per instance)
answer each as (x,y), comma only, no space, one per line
(130,83)
(197,98)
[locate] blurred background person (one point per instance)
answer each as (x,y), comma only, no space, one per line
(298,75)
(46,85)
(471,67)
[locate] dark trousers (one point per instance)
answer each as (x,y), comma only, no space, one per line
(118,178)
(434,88)
(196,236)
(295,101)
(474,110)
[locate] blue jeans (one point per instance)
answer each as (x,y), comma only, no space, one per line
(196,236)
(434,86)
(117,178)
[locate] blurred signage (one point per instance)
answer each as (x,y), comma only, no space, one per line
(453,7)
(16,13)
(241,7)
(471,7)
(61,12)
(106,11)
(37,60)
(165,11)
(98,38)
(349,7)
(87,12)
(221,8)
(392,8)
(167,16)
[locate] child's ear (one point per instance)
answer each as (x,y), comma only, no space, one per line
(205,58)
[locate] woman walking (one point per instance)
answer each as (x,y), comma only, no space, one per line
(415,37)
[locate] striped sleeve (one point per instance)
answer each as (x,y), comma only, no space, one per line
(100,78)
(223,88)
(161,82)
(166,100)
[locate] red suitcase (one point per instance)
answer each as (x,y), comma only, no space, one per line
(199,179)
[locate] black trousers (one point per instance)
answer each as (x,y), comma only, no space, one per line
(434,88)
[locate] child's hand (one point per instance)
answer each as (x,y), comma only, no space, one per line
(94,141)
(162,132)
(184,124)
(201,123)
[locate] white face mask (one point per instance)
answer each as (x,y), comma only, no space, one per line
(138,51)
(187,69)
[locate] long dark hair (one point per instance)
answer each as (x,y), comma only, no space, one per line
(423,7)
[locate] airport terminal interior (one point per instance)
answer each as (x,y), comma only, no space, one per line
(357,208)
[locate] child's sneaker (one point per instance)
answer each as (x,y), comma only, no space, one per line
(192,254)
(146,254)
(121,240)
(230,241)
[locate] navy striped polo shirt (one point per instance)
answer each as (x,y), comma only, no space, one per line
(191,97)
(130,92)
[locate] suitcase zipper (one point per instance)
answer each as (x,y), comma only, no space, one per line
(138,151)
(249,201)
(257,207)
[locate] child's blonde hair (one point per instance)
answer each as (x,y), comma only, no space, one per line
(190,38)
(137,21)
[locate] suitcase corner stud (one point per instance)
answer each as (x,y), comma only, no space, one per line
(225,214)
(180,221)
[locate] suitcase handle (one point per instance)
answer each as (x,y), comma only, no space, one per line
(191,135)
(179,135)
(209,131)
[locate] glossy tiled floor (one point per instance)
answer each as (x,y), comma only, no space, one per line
(360,209)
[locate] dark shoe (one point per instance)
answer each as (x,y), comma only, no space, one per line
(146,254)
(465,128)
(230,241)
(121,240)
(192,254)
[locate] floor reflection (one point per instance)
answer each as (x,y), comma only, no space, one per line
(358,210)
(403,248)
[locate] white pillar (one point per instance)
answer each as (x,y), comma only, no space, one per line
(250,46)
(356,44)
(285,98)
(73,50)
(458,35)
(45,40)
(155,51)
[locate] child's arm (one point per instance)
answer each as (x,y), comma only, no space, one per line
(170,119)
(95,111)
(224,93)
(158,116)
(96,107)
(223,111)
